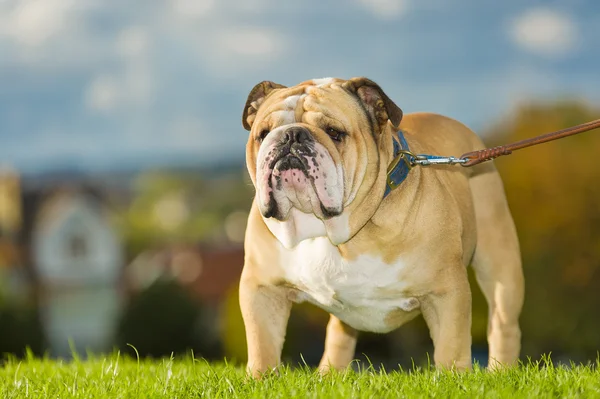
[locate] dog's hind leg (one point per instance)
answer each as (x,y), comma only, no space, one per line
(340,343)
(448,316)
(497,264)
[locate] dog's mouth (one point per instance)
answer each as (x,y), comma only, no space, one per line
(294,153)
(288,162)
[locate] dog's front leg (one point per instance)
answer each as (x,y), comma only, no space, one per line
(340,343)
(448,316)
(265,310)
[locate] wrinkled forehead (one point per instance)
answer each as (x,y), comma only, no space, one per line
(325,97)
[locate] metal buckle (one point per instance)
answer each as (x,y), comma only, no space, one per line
(402,156)
(391,184)
(426,161)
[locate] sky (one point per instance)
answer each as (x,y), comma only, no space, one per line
(106,84)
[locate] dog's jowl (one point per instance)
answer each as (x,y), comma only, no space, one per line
(327,227)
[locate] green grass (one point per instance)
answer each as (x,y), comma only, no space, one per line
(118,377)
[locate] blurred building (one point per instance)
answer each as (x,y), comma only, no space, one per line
(62,253)
(76,257)
(59,249)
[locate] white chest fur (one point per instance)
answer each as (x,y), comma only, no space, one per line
(363,293)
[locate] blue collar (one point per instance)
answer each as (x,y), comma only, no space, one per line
(400,166)
(404,160)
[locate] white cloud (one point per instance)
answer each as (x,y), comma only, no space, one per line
(150,69)
(251,42)
(52,35)
(133,42)
(252,6)
(544,31)
(227,51)
(133,85)
(133,88)
(34,22)
(385,9)
(102,94)
(213,35)
(139,85)
(192,9)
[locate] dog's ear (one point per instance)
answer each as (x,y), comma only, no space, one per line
(375,101)
(255,99)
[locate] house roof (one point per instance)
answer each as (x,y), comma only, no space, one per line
(221,271)
(40,204)
(57,203)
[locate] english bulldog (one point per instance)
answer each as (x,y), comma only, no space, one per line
(329,225)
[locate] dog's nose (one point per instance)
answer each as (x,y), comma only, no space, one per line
(296,134)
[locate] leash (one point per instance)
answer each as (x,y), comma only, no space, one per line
(404,159)
(476,157)
(487,154)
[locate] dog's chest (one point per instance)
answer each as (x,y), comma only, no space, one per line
(365,293)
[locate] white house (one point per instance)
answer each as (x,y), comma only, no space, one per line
(77,257)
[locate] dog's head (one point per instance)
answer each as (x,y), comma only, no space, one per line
(317,155)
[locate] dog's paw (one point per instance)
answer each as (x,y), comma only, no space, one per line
(257,373)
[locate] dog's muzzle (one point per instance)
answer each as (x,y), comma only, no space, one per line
(296,171)
(294,146)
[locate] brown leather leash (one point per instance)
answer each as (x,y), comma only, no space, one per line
(487,154)
(398,170)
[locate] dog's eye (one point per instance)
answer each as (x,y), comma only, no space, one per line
(263,134)
(335,134)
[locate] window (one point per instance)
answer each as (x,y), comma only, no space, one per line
(77,246)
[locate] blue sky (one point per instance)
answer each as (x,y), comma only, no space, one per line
(106,84)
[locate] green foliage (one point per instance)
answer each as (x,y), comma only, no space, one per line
(125,377)
(20,329)
(163,319)
(554,195)
(181,208)
(233,331)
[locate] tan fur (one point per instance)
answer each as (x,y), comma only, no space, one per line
(440,220)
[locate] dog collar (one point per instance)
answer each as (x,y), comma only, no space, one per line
(401,164)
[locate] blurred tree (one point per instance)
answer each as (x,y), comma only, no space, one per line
(232,328)
(21,327)
(21,330)
(181,208)
(554,194)
(164,319)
